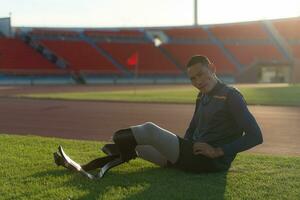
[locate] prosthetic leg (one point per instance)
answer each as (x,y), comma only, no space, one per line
(122,151)
(126,143)
(124,147)
(104,163)
(64,160)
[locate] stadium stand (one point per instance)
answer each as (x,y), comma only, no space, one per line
(182,52)
(186,33)
(247,54)
(31,79)
(121,33)
(150,59)
(240,31)
(103,56)
(133,36)
(21,64)
(296,50)
(48,32)
(289,28)
(15,54)
(80,56)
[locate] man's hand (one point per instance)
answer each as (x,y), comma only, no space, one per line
(207,150)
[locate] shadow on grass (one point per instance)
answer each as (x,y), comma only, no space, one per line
(144,183)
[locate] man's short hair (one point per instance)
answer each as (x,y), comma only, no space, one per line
(203,60)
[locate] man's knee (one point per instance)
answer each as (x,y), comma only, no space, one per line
(149,125)
(126,143)
(151,130)
(118,134)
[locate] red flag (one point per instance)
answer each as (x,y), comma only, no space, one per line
(133,60)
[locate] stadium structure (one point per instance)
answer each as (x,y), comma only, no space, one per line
(250,52)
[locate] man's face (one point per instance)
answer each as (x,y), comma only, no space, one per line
(201,77)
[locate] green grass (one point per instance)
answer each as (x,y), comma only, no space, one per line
(282,95)
(27,172)
(177,95)
(285,96)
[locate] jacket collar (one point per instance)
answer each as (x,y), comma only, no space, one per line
(215,88)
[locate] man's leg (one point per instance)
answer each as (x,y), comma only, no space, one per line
(157,145)
(150,154)
(145,152)
(164,142)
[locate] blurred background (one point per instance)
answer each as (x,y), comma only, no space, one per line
(147,42)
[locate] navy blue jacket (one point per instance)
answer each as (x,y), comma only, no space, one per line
(222,119)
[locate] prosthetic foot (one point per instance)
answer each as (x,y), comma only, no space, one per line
(64,160)
(122,151)
(105,163)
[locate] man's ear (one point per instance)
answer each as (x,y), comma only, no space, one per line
(212,67)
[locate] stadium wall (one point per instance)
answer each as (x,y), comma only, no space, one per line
(266,72)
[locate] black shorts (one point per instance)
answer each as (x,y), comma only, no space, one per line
(188,161)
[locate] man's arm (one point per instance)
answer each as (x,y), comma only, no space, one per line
(245,120)
(207,150)
(189,132)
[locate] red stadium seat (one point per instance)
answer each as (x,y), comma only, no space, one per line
(240,31)
(47,32)
(296,50)
(247,54)
(182,52)
(186,33)
(121,33)
(150,59)
(15,54)
(80,55)
(289,28)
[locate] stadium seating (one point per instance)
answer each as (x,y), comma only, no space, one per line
(29,79)
(186,33)
(289,28)
(15,54)
(182,52)
(150,59)
(247,54)
(296,50)
(231,47)
(240,31)
(48,32)
(116,33)
(80,56)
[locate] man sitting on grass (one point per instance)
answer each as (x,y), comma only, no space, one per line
(221,127)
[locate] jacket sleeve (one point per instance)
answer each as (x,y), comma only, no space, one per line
(189,132)
(252,134)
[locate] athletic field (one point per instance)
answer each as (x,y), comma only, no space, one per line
(27,172)
(27,169)
(282,95)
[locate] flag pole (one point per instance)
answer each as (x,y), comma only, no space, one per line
(136,74)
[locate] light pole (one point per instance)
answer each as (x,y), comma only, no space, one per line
(10,32)
(195,12)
